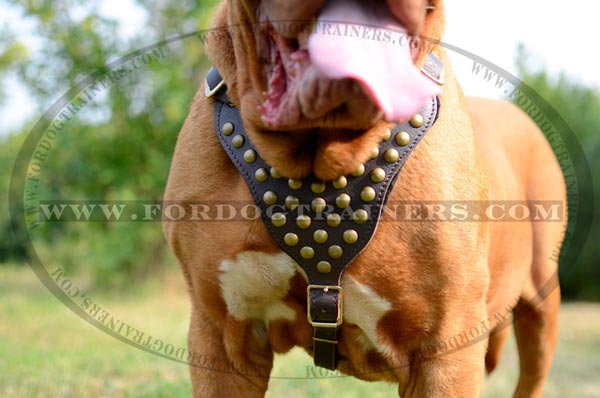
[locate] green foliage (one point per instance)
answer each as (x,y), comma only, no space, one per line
(119,145)
(579,106)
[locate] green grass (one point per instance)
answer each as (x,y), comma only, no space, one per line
(47,351)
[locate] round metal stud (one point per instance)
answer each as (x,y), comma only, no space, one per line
(317,187)
(274,173)
(417,120)
(335,251)
(278,219)
(360,216)
(387,135)
(374,153)
(340,183)
(368,194)
(334,219)
(238,141)
(261,174)
(402,138)
(318,205)
(250,156)
(359,171)
(324,267)
(350,236)
(303,221)
(270,198)
(320,236)
(391,155)
(227,128)
(307,252)
(377,175)
(294,184)
(292,202)
(343,200)
(291,239)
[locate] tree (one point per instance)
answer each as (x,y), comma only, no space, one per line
(118,146)
(579,106)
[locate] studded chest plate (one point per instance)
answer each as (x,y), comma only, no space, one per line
(323,226)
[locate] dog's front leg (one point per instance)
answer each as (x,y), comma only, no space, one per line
(226,362)
(455,375)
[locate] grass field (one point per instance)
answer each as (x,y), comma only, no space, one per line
(47,351)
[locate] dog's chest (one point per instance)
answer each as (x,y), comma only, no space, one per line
(258,286)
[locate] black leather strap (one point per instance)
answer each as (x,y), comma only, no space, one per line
(322,226)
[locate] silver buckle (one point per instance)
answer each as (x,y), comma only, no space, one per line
(325,289)
(208,92)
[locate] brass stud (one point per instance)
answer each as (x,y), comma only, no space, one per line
(359,171)
(278,219)
(402,138)
(368,194)
(335,251)
(360,216)
(317,187)
(291,239)
(343,200)
(303,221)
(318,205)
(307,252)
(374,153)
(387,135)
(350,236)
(227,128)
(334,219)
(270,198)
(238,141)
(292,202)
(377,175)
(320,236)
(391,155)
(250,156)
(416,121)
(274,173)
(340,183)
(324,267)
(294,184)
(261,174)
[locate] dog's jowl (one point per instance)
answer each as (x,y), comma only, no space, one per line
(320,114)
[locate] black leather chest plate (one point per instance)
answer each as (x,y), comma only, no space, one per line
(322,226)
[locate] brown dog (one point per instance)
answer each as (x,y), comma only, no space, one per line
(419,287)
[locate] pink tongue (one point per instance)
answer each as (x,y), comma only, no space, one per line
(374,56)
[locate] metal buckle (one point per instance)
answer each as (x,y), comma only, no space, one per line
(208,92)
(325,289)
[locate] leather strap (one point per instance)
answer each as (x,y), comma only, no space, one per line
(322,226)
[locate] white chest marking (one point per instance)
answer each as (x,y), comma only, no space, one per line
(364,308)
(253,285)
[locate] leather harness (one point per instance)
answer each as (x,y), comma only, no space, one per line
(322,226)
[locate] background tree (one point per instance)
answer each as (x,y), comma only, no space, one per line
(579,106)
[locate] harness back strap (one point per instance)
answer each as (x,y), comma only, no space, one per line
(322,226)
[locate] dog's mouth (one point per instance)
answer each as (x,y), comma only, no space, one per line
(352,65)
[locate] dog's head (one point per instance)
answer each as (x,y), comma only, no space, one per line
(316,81)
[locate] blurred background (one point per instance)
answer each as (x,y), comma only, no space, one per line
(119,146)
